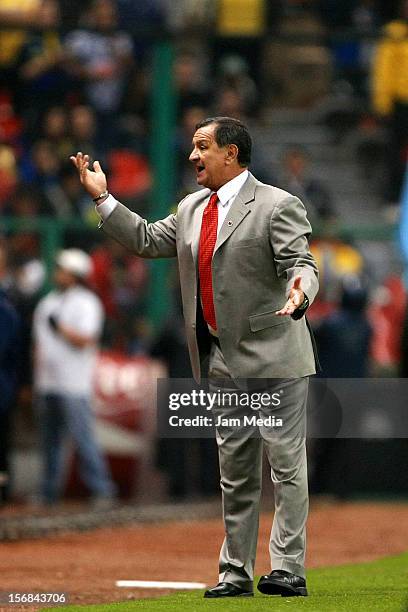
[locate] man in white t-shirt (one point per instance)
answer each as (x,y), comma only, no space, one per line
(67,326)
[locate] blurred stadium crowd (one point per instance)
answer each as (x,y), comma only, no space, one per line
(78,76)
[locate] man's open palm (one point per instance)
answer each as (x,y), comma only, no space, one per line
(296,297)
(94,181)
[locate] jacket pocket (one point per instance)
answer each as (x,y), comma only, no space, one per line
(249,242)
(266,319)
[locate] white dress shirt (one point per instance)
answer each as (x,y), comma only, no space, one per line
(226,195)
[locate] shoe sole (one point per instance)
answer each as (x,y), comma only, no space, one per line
(227,596)
(273,587)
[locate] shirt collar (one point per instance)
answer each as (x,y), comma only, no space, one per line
(231,189)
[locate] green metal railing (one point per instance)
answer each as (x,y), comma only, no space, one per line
(163,120)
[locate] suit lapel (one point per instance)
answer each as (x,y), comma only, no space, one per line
(238,211)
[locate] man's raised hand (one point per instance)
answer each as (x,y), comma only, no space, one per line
(296,297)
(94,181)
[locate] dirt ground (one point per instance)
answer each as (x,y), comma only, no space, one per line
(86,565)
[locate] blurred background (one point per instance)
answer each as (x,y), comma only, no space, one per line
(323,87)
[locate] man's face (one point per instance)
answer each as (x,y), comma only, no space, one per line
(63,279)
(211,162)
(104,15)
(296,164)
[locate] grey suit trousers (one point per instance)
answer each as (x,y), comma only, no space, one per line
(240,456)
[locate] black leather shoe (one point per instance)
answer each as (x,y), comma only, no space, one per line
(225,589)
(280,582)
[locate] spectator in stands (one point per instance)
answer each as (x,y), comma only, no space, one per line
(386,315)
(343,340)
(365,16)
(83,128)
(390,97)
(46,168)
(40,76)
(233,76)
(10,331)
(190,81)
(229,102)
(185,14)
(8,173)
(343,337)
(71,198)
(11,125)
(337,258)
(27,274)
(100,58)
(82,136)
(20,14)
(67,325)
(25,202)
(298,179)
(55,130)
(25,286)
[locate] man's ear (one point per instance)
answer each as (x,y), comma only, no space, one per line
(231,153)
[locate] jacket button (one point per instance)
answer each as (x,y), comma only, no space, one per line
(193,326)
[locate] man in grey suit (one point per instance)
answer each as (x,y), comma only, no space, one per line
(247,277)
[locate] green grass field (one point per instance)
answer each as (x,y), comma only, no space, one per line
(381,585)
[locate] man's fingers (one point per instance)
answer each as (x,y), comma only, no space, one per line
(92,180)
(289,308)
(293,302)
(285,311)
(80,161)
(83,167)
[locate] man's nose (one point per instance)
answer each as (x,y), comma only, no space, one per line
(193,155)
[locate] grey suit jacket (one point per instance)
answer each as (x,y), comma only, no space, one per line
(261,247)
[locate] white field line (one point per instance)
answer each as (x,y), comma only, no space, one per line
(156,584)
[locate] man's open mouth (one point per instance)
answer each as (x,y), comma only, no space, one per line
(199,169)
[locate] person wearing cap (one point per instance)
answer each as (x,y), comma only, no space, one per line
(67,325)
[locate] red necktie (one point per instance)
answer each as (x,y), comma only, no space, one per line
(208,238)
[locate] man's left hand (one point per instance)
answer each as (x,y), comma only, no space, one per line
(296,297)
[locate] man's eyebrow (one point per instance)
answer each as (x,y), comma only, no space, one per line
(201,139)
